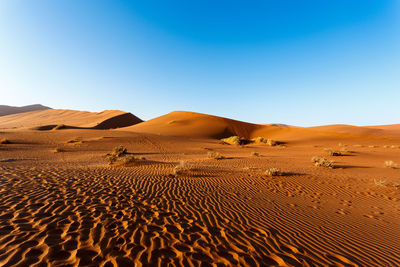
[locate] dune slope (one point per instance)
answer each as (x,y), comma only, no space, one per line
(191,124)
(7,110)
(47,119)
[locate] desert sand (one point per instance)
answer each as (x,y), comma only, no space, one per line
(69,207)
(7,110)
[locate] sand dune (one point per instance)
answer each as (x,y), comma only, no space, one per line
(47,119)
(7,110)
(197,125)
(191,124)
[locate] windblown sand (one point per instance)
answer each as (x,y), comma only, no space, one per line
(71,209)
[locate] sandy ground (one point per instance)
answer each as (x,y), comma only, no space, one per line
(71,209)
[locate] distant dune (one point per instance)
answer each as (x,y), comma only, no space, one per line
(191,124)
(7,110)
(383,130)
(197,125)
(47,119)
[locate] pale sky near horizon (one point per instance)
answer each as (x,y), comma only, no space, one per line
(302,63)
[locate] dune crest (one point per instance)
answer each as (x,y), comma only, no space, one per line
(198,125)
(48,119)
(7,110)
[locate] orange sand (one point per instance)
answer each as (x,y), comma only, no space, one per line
(71,208)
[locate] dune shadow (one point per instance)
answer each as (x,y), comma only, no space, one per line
(351,167)
(293,174)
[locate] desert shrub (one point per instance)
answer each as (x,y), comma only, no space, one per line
(255,154)
(4,141)
(127,160)
(333,153)
(263,140)
(120,156)
(390,164)
(233,140)
(380,182)
(119,150)
(57,150)
(322,162)
(59,127)
(344,149)
(393,146)
(181,168)
(214,155)
(273,172)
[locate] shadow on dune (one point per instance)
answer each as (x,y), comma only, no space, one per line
(119,121)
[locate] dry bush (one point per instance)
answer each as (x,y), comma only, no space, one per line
(119,150)
(322,162)
(273,172)
(390,164)
(57,150)
(333,153)
(4,141)
(233,140)
(59,127)
(263,140)
(214,155)
(120,157)
(181,168)
(393,146)
(255,154)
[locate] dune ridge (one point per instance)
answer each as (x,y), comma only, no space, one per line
(198,125)
(7,110)
(47,119)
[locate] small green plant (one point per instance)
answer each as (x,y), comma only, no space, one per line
(181,168)
(59,127)
(214,155)
(390,164)
(4,141)
(273,172)
(322,162)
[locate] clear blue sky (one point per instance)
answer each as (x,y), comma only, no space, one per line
(296,62)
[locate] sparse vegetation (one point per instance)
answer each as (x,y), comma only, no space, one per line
(390,164)
(255,154)
(233,140)
(181,168)
(214,155)
(273,172)
(333,153)
(59,127)
(4,141)
(120,157)
(119,151)
(57,150)
(322,162)
(263,140)
(344,150)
